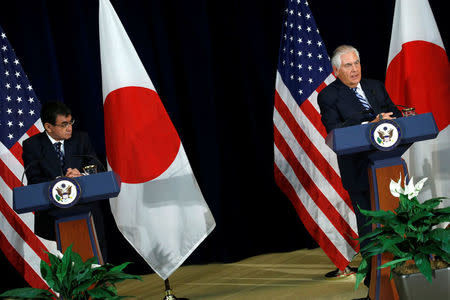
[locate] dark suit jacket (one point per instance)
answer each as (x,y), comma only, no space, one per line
(41,164)
(340,107)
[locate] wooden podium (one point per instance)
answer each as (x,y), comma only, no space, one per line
(74,225)
(383,166)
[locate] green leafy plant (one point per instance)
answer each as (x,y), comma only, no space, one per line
(409,232)
(72,278)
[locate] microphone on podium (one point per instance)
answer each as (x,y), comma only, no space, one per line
(98,162)
(407,111)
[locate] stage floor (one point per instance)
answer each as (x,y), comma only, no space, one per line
(290,275)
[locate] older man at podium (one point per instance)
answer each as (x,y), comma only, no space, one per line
(352,100)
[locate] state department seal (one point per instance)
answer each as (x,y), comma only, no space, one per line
(64,192)
(385,135)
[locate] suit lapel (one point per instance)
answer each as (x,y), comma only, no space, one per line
(68,152)
(370,95)
(346,93)
(49,155)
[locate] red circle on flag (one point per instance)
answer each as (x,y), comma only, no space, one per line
(141,141)
(421,83)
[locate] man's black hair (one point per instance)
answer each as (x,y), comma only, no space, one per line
(50,110)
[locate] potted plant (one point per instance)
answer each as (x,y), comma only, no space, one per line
(411,234)
(71,278)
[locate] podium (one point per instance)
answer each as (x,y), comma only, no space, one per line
(73,225)
(384,165)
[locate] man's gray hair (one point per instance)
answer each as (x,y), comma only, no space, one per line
(336,58)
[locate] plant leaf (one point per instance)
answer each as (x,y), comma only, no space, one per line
(362,271)
(394,263)
(27,293)
(371,234)
(389,243)
(120,267)
(54,260)
(423,263)
(419,216)
(83,286)
(49,276)
(445,210)
(101,293)
(440,234)
(376,213)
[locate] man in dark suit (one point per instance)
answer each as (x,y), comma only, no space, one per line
(59,151)
(352,100)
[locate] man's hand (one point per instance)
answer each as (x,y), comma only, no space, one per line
(383,116)
(71,173)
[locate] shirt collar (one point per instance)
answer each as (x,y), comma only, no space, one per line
(358,87)
(53,141)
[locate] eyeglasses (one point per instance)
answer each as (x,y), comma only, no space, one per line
(65,124)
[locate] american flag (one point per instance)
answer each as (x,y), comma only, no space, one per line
(19,119)
(306,169)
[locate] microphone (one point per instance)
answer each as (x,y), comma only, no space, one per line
(92,157)
(403,106)
(407,111)
(32,163)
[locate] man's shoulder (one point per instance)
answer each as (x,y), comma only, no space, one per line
(79,134)
(35,139)
(79,137)
(331,90)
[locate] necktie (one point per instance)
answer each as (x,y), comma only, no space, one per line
(361,99)
(57,146)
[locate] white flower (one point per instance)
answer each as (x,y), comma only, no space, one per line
(58,254)
(413,190)
(410,190)
(396,188)
(93,266)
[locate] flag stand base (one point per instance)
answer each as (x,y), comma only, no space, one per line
(169,293)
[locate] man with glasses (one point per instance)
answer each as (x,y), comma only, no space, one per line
(59,151)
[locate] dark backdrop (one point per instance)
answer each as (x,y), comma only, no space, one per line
(213,64)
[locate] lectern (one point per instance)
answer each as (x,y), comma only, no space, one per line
(73,225)
(385,163)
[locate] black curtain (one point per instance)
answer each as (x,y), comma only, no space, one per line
(213,64)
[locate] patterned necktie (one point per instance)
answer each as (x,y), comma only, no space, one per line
(59,152)
(361,99)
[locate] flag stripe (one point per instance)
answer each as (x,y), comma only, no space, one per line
(316,194)
(336,256)
(313,115)
(295,111)
(21,265)
(312,170)
(16,150)
(19,119)
(34,130)
(305,161)
(22,229)
(310,150)
(9,178)
(11,162)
